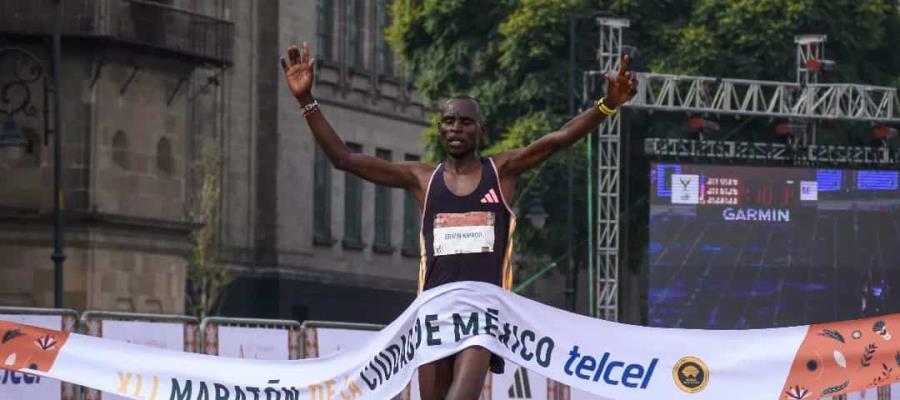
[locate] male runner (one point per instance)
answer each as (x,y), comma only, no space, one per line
(467,224)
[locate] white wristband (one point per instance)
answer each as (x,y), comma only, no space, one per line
(310,106)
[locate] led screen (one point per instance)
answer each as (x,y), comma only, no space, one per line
(739,247)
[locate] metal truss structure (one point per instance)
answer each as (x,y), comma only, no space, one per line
(607,278)
(810,52)
(823,101)
(803,100)
(792,152)
(609,152)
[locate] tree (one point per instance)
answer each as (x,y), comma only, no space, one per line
(207,279)
(756,39)
(512,56)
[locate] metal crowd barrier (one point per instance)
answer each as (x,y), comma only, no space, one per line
(92,324)
(69,316)
(309,337)
(210,325)
(311,342)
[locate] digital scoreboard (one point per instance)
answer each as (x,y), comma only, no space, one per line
(736,247)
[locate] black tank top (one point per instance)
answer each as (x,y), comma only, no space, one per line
(466,238)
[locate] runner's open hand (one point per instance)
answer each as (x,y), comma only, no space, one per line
(299,71)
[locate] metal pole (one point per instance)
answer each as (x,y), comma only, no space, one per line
(531,279)
(592,304)
(590,226)
(570,271)
(58,256)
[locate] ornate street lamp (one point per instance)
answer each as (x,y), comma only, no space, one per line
(536,214)
(15,98)
(12,141)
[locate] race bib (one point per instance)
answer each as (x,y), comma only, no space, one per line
(463,233)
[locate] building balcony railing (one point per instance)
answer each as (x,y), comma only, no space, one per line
(137,22)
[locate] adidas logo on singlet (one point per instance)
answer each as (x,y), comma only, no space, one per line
(520,389)
(490,197)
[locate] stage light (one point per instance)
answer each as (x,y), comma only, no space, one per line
(12,142)
(536,214)
(884,132)
(815,64)
(703,125)
(791,127)
(783,129)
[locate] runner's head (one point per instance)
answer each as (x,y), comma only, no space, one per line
(460,129)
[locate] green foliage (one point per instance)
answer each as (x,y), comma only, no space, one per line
(445,44)
(755,39)
(512,56)
(523,131)
(207,279)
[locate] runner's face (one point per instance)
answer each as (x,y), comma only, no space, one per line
(460,128)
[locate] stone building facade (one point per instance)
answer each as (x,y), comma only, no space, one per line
(148,88)
(304,237)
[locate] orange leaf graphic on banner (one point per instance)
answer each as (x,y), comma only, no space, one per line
(26,346)
(840,357)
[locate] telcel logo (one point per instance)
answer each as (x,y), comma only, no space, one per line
(612,372)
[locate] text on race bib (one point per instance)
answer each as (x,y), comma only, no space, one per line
(463,233)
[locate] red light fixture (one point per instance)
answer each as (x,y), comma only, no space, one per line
(696,123)
(791,127)
(783,129)
(884,132)
(703,125)
(815,64)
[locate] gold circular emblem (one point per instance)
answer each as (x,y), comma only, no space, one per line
(691,374)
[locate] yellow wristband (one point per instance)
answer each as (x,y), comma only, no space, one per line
(604,109)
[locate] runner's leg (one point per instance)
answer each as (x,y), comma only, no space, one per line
(435,378)
(469,371)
